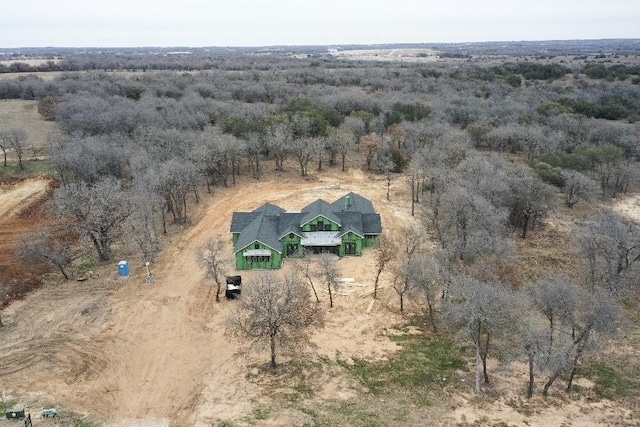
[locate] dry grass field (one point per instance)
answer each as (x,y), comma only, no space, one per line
(44,75)
(20,114)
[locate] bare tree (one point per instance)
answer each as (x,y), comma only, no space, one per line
(303,266)
(369,145)
(385,163)
(575,319)
(56,143)
(611,246)
(480,311)
(303,150)
(16,139)
(531,200)
(469,226)
(43,245)
(530,337)
(385,253)
(274,314)
(404,268)
(430,277)
(344,141)
(355,126)
(577,187)
(176,179)
(600,317)
(142,229)
(556,299)
(97,212)
(279,143)
(328,270)
(211,258)
(211,158)
(255,146)
(4,145)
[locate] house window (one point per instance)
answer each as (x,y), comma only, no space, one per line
(314,227)
(256,246)
(259,258)
(350,248)
(327,227)
(291,235)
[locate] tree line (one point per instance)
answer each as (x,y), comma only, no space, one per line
(485,157)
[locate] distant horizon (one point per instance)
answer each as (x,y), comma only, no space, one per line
(247,23)
(314,44)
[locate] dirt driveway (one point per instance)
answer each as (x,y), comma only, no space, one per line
(125,349)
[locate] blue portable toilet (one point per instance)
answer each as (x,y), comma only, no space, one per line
(123,268)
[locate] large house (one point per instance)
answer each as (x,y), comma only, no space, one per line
(264,237)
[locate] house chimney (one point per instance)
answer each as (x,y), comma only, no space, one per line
(347,202)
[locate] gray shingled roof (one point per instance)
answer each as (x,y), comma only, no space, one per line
(357,203)
(351,221)
(264,229)
(319,207)
(289,223)
(240,220)
(270,209)
(371,223)
(269,223)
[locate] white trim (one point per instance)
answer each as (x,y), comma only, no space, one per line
(246,246)
(290,232)
(328,219)
(256,252)
(351,231)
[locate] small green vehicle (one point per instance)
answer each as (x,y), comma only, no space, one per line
(14,414)
(49,413)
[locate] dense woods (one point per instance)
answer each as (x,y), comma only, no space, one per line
(491,151)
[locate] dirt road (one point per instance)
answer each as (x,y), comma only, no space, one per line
(14,198)
(20,213)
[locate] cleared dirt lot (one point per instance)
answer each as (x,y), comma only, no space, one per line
(155,354)
(125,349)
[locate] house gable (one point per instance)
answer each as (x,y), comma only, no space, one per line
(319,207)
(263,228)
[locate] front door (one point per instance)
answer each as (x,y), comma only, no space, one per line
(350,248)
(292,249)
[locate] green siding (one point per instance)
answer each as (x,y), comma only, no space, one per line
(235,237)
(288,240)
(320,218)
(351,238)
(245,263)
(371,242)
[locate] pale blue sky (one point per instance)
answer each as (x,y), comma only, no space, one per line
(253,23)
